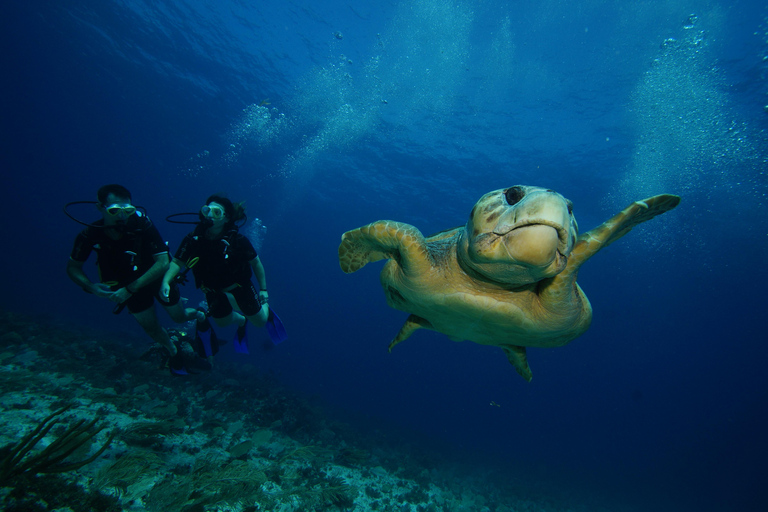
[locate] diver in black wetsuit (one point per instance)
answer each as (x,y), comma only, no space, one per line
(223,261)
(132,259)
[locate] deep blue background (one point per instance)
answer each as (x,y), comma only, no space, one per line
(411,111)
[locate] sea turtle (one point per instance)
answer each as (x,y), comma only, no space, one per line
(507,278)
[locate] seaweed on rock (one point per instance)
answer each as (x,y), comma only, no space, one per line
(16,460)
(171,493)
(21,379)
(326,491)
(337,492)
(129,468)
(209,483)
(149,433)
(310,453)
(33,493)
(351,457)
(234,482)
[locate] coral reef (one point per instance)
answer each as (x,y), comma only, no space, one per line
(233,440)
(17,459)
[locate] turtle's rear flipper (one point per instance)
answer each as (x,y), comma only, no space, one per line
(518,358)
(411,324)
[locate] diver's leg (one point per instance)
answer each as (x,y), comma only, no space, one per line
(260,318)
(221,310)
(247,299)
(232,318)
(175,308)
(180,314)
(148,321)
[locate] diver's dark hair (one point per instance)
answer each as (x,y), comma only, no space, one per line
(116,190)
(235,211)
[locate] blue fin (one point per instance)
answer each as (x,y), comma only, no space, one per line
(191,365)
(206,343)
(176,364)
(197,364)
(205,338)
(241,340)
(275,328)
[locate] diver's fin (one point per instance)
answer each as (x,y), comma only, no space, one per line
(207,343)
(275,328)
(187,362)
(519,360)
(411,324)
(176,363)
(194,364)
(241,339)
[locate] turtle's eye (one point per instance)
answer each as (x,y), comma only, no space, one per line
(570,207)
(513,195)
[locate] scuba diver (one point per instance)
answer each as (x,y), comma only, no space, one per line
(131,260)
(223,261)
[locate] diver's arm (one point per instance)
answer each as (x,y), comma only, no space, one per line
(258,271)
(261,277)
(154,272)
(173,270)
(76,274)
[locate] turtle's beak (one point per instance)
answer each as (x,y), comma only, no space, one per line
(544,217)
(540,231)
(534,245)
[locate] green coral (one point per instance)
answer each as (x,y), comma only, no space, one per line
(149,433)
(209,483)
(337,492)
(128,469)
(17,459)
(42,493)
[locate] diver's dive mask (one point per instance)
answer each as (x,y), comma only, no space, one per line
(122,211)
(212,211)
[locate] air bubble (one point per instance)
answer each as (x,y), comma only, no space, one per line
(690,21)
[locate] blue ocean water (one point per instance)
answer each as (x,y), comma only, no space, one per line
(325,116)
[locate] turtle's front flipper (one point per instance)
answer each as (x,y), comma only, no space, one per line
(589,243)
(519,360)
(561,287)
(411,324)
(379,240)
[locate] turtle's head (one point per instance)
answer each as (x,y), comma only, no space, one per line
(519,235)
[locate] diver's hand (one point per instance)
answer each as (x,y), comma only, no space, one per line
(165,290)
(102,290)
(120,295)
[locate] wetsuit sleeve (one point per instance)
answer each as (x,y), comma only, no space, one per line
(245,247)
(152,240)
(83,246)
(186,250)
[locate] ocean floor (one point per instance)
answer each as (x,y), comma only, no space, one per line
(232,439)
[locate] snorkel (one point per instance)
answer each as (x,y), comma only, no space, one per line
(114,204)
(215,208)
(139,211)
